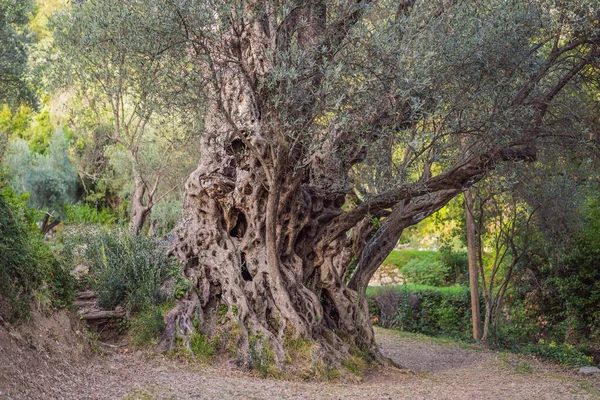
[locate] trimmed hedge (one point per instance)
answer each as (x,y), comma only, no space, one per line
(445,312)
(431,312)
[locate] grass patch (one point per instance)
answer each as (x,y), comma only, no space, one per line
(262,357)
(523,368)
(399,258)
(355,365)
(297,349)
(419,337)
(147,326)
(202,347)
(451,290)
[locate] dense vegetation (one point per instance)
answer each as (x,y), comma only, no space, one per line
(355,132)
(550,309)
(29,271)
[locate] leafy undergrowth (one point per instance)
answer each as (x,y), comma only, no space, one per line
(29,271)
(445,313)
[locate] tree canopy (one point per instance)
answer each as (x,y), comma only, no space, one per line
(14,39)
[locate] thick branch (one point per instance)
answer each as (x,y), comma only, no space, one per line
(459,177)
(387,236)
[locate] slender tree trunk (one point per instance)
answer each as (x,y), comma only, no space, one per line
(473,269)
(138,210)
(487,320)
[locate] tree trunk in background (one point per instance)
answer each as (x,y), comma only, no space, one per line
(473,270)
(138,210)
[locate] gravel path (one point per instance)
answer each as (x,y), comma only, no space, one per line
(437,370)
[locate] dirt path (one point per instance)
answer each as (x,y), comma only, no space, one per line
(440,370)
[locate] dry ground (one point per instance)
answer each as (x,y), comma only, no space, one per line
(48,362)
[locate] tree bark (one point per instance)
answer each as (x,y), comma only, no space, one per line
(138,210)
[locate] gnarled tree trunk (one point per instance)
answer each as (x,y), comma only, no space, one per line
(264,237)
(249,238)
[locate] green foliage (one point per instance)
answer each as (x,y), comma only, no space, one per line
(296,348)
(431,312)
(556,298)
(28,267)
(426,272)
(564,353)
(83,213)
(15,124)
(40,133)
(262,357)
(400,258)
(432,268)
(165,215)
(182,285)
(146,326)
(355,365)
(450,290)
(50,179)
(14,38)
(456,263)
(125,269)
(126,66)
(201,346)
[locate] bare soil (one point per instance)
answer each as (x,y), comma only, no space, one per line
(50,359)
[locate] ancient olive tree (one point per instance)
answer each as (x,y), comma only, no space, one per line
(114,57)
(334,125)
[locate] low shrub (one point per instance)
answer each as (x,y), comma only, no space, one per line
(201,346)
(456,265)
(123,269)
(564,353)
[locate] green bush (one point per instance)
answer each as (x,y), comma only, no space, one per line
(426,272)
(457,265)
(400,258)
(165,215)
(27,265)
(50,178)
(201,346)
(565,354)
(125,269)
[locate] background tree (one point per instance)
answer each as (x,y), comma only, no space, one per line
(49,179)
(503,234)
(15,87)
(114,53)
